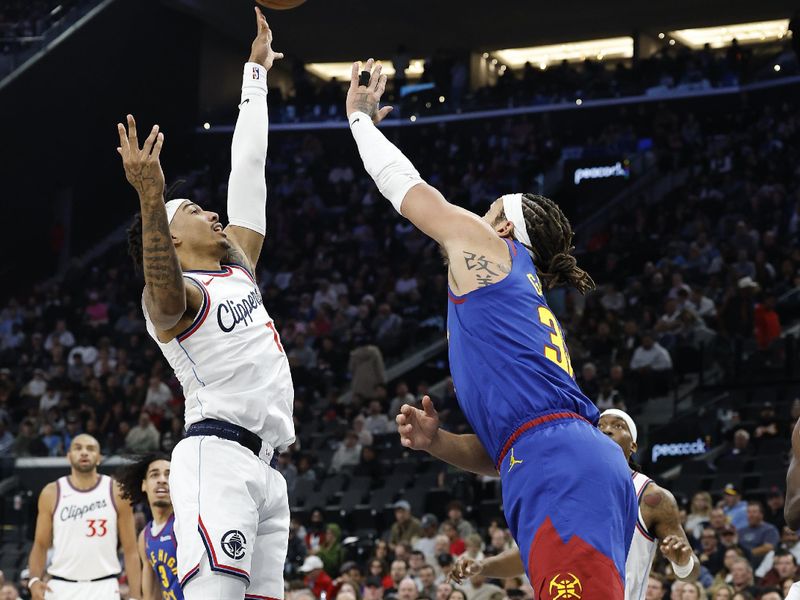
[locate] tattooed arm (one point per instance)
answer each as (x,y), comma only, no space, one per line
(165,291)
(457,230)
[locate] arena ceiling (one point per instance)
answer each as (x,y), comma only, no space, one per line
(329,30)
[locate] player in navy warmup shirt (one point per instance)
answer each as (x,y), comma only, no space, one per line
(567,491)
(148,478)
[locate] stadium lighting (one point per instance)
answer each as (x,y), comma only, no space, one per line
(340,71)
(412,118)
(578,101)
(206,125)
(661,36)
(441,99)
(608,48)
(745,33)
(777,68)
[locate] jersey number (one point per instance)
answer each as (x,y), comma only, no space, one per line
(271,325)
(97,527)
(556,350)
(162,571)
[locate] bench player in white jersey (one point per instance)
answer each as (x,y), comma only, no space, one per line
(83,517)
(204,310)
(658,519)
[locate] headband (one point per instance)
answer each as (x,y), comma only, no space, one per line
(172,207)
(615,412)
(512,207)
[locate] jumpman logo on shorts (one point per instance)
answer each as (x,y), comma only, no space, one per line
(513,461)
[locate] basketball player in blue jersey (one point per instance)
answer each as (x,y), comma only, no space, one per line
(148,479)
(567,490)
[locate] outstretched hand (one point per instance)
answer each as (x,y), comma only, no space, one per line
(366,98)
(418,428)
(676,550)
(142,165)
(261,51)
(464,568)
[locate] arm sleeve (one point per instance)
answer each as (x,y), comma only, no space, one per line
(247,186)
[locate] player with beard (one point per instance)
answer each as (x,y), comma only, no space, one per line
(659,519)
(82,517)
(148,479)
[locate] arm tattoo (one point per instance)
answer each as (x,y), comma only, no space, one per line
(236,256)
(162,270)
(366,104)
(485,270)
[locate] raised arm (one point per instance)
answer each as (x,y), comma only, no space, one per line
(419,430)
(453,227)
(165,292)
(791,510)
(247,186)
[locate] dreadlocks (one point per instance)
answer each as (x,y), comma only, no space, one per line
(552,244)
(135,250)
(131,476)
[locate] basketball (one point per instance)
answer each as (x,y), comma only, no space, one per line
(280,4)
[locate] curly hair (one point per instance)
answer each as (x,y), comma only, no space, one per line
(551,236)
(131,476)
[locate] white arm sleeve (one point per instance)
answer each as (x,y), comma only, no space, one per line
(392,171)
(247,185)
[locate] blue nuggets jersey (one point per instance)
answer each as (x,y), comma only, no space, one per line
(160,550)
(508,357)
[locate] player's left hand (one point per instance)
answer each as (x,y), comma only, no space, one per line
(676,550)
(261,51)
(367,98)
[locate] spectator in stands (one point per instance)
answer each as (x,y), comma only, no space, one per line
(758,537)
(457,545)
(348,453)
(286,468)
(416,560)
(588,380)
(736,317)
(60,335)
(699,514)
(366,370)
(364,435)
(693,590)
(377,422)
(143,438)
(27,443)
(304,469)
(37,386)
(653,367)
(297,551)
(9,592)
(719,591)
(397,572)
(426,542)
(407,589)
(474,547)
(742,576)
(50,399)
(73,429)
(316,579)
(773,512)
(771,594)
(476,588)
(768,427)
(330,549)
(712,552)
(784,565)
(741,447)
(427,581)
(443,590)
(51,440)
(455,515)
(766,321)
(373,588)
(401,396)
(158,396)
(446,564)
(6,439)
(656,587)
(406,527)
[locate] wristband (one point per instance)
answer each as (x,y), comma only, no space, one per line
(32,581)
(682,572)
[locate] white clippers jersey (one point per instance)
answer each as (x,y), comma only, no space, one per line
(85,531)
(643,548)
(230,360)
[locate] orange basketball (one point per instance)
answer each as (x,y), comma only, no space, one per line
(280,4)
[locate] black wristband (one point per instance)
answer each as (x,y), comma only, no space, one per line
(363,78)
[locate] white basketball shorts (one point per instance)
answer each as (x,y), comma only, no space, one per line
(233,507)
(794,592)
(105,589)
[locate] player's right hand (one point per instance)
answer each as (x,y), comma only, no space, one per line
(142,165)
(464,568)
(38,589)
(418,428)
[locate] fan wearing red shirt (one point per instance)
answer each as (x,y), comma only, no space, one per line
(317,580)
(457,545)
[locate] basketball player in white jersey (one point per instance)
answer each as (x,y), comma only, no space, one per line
(204,310)
(658,519)
(791,508)
(83,517)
